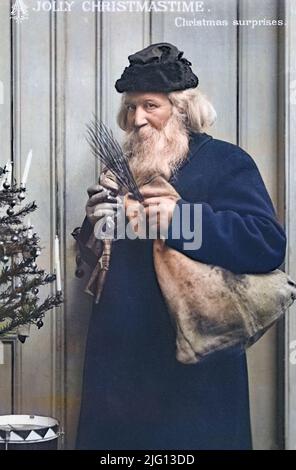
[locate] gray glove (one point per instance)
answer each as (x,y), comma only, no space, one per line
(102,202)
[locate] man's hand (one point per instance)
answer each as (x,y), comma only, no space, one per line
(157,209)
(101,203)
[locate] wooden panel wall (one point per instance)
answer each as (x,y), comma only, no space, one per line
(213,53)
(5,83)
(6,403)
(258,134)
(6,377)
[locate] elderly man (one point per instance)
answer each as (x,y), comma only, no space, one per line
(136,394)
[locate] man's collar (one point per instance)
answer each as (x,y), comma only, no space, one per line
(196,141)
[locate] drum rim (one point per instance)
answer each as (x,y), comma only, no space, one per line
(51,422)
(37,441)
(30,416)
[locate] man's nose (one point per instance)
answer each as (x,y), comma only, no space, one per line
(140,118)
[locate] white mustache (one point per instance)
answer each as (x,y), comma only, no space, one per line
(157,151)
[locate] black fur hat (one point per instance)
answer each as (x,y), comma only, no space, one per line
(158,68)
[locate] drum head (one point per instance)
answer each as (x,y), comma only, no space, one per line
(21,429)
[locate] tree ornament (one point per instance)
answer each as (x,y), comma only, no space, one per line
(22,338)
(10,211)
(5,259)
(6,185)
(39,324)
(22,196)
(14,238)
(79,273)
(35,290)
(33,252)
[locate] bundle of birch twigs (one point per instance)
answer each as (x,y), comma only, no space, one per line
(108,151)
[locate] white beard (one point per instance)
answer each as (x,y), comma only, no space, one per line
(154,152)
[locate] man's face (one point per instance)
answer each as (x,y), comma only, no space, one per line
(147,109)
(156,141)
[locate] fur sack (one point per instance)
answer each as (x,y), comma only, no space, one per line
(211,307)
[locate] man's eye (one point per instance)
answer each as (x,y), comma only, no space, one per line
(130,107)
(151,106)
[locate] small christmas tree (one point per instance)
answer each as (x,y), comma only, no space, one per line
(20,278)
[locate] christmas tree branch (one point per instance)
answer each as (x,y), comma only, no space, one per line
(31,314)
(15,218)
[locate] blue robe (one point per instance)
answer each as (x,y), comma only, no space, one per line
(136,395)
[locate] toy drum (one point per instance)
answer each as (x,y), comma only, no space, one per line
(28,432)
